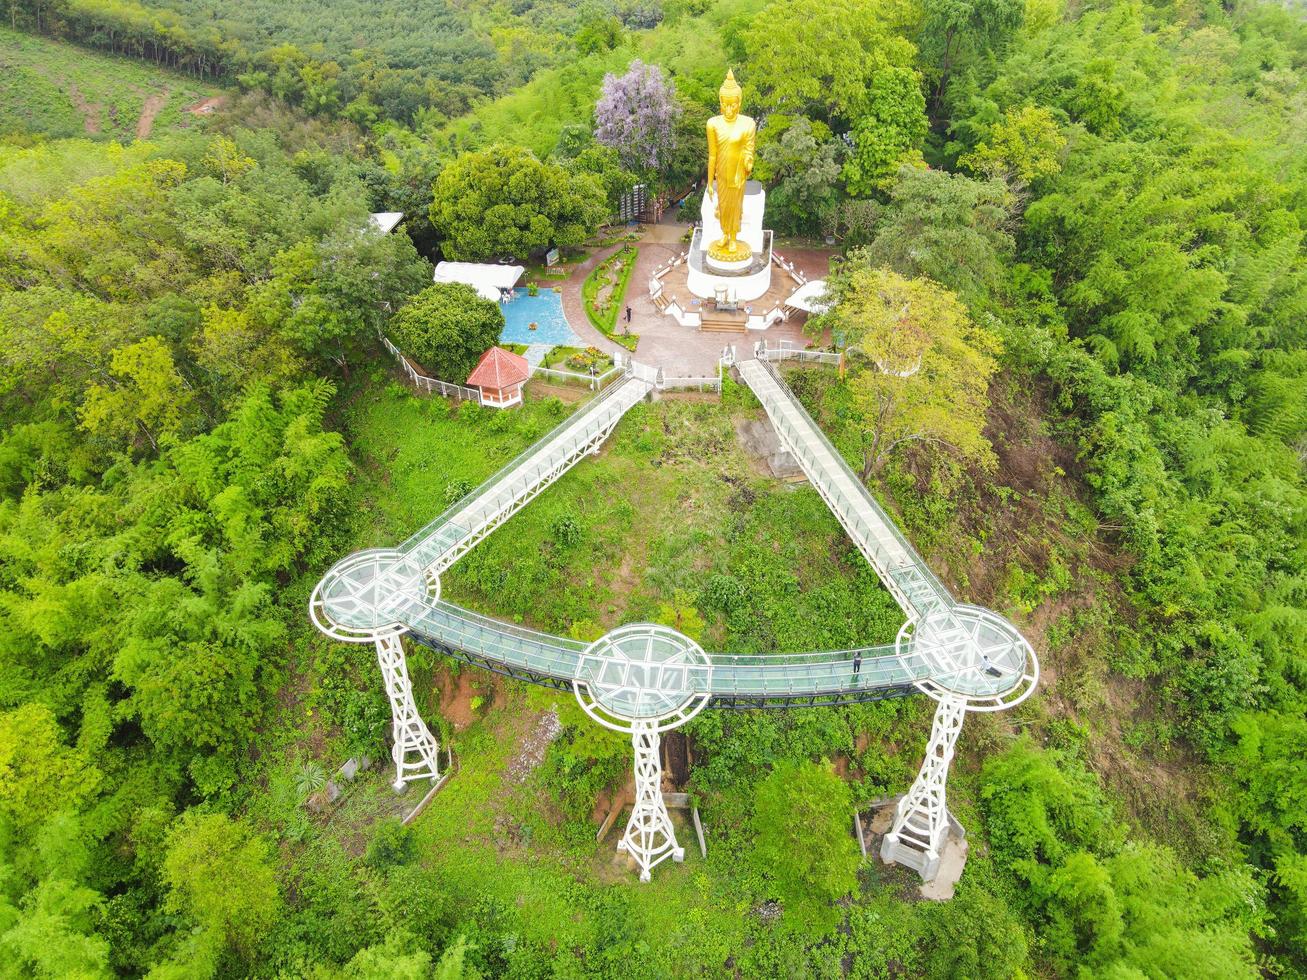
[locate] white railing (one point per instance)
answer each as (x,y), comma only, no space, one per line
(644,372)
(696,383)
(788,268)
(431,385)
(595,382)
(662,270)
(785,352)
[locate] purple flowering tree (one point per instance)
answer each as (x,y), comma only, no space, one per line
(636,115)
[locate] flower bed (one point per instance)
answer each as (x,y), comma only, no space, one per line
(604,292)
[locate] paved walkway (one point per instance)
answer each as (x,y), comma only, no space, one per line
(535,353)
(679,351)
(574,307)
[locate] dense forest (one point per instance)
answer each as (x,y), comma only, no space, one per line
(1108,201)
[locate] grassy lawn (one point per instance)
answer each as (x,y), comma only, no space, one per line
(61,90)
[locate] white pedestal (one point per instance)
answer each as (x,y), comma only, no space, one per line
(755,202)
(704,282)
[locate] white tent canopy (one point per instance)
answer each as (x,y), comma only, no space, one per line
(491,281)
(386,221)
(810,297)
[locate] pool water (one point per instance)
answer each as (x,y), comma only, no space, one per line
(545,310)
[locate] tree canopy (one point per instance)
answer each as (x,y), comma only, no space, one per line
(504,201)
(446,328)
(930,366)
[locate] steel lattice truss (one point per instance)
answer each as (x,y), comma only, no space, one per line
(645,679)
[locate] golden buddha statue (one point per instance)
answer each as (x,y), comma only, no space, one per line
(730,161)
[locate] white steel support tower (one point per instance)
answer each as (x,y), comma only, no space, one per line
(649,836)
(645,679)
(921,818)
(413,747)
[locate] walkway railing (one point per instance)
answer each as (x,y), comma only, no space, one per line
(904,572)
(784,351)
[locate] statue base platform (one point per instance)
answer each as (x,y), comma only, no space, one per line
(743,281)
(728,267)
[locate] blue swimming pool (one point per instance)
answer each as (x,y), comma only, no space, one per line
(545,310)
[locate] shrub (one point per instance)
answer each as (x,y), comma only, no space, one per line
(392,844)
(446,328)
(456,491)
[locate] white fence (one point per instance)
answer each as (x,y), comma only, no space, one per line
(431,385)
(784,352)
(701,383)
(595,382)
(789,269)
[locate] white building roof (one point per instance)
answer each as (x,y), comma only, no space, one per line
(810,297)
(386,221)
(488,279)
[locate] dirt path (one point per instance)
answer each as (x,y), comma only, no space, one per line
(149,112)
(90,110)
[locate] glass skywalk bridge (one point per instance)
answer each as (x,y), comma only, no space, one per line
(645,679)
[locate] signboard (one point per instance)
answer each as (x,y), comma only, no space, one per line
(551,257)
(632,204)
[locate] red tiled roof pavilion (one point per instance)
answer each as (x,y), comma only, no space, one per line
(499,369)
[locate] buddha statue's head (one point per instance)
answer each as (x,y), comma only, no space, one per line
(729,96)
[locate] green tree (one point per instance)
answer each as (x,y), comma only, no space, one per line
(802,814)
(820,58)
(889,132)
(220,876)
(1023,147)
(598,33)
(930,366)
(147,397)
(446,328)
(396,959)
(953,31)
(39,774)
(801,164)
(944,227)
(602,162)
(504,201)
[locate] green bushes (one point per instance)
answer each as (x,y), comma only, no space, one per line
(604,292)
(1104,902)
(801,817)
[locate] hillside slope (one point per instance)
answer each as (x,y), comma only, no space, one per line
(59,90)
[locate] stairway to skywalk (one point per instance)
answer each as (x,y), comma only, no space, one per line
(452,534)
(903,571)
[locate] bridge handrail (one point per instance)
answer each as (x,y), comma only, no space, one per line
(914,558)
(586,414)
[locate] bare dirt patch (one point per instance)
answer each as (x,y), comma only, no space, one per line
(150,110)
(90,110)
(458,693)
(206,107)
